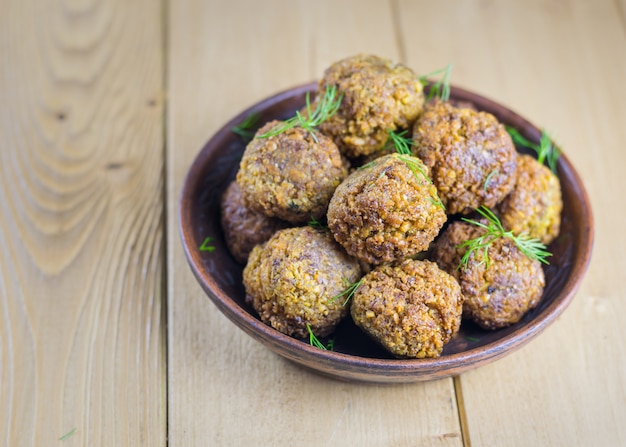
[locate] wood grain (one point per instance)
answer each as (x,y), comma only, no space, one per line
(82,299)
(224,388)
(561,65)
(81,234)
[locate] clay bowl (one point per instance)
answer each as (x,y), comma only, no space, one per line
(355,356)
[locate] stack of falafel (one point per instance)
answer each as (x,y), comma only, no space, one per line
(394,237)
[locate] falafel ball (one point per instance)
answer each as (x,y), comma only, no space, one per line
(498,292)
(471,156)
(378,96)
(412,309)
(535,204)
(386,210)
(290,176)
(244,228)
(294,279)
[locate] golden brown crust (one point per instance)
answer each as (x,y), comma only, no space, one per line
(498,294)
(385,211)
(291,281)
(471,156)
(535,204)
(412,309)
(290,176)
(377,96)
(244,228)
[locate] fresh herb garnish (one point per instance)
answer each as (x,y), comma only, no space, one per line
(326,107)
(368,165)
(417,168)
(330,346)
(68,434)
(545,150)
(314,341)
(244,129)
(531,247)
(472,339)
(400,142)
(315,223)
(205,245)
(441,88)
(488,179)
(349,291)
(403,145)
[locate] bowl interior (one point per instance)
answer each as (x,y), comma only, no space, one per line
(355,356)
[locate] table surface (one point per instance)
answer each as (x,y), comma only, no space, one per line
(105,337)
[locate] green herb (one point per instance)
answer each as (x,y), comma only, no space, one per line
(368,165)
(326,107)
(68,434)
(403,145)
(488,179)
(441,88)
(330,346)
(314,341)
(545,150)
(400,142)
(417,167)
(349,291)
(472,339)
(531,247)
(244,129)
(205,245)
(315,223)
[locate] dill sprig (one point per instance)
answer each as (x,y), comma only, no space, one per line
(405,155)
(316,223)
(326,107)
(368,165)
(68,434)
(400,142)
(531,247)
(352,287)
(245,128)
(545,150)
(205,245)
(314,341)
(488,179)
(441,88)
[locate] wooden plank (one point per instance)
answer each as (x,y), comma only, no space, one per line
(82,341)
(561,65)
(224,388)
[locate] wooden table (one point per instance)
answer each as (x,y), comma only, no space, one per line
(105,337)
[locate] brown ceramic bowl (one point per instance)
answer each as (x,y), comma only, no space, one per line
(355,356)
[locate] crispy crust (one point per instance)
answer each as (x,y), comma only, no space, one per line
(471,156)
(378,96)
(496,295)
(290,176)
(535,204)
(244,228)
(412,309)
(292,278)
(385,211)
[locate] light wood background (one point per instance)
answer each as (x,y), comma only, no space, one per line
(105,337)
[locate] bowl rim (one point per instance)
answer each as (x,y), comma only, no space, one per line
(380,370)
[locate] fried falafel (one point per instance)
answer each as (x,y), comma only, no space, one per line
(378,96)
(470,154)
(291,175)
(411,309)
(387,210)
(535,204)
(243,228)
(293,280)
(497,291)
